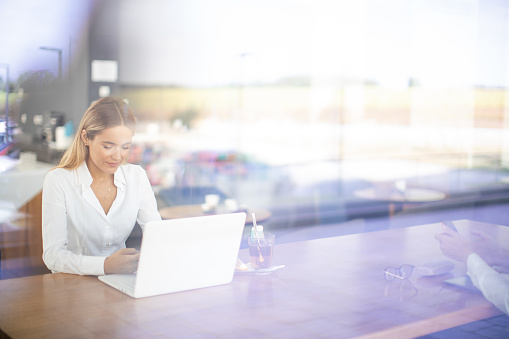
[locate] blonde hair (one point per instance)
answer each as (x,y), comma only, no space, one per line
(104,113)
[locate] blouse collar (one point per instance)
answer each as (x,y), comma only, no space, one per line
(84,178)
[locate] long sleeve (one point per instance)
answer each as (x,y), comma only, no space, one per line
(148,206)
(493,285)
(56,254)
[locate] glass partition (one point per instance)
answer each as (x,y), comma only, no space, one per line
(303,107)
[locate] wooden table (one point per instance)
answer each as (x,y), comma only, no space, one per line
(332,287)
(397,198)
(187,211)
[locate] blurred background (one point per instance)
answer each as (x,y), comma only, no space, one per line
(359,114)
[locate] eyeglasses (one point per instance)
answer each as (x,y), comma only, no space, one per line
(402,272)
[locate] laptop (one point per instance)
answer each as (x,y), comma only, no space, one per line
(184,254)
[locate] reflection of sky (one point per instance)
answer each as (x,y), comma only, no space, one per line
(200,42)
(30,24)
(445,43)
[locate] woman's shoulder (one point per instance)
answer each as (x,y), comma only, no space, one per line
(133,176)
(59,176)
(59,172)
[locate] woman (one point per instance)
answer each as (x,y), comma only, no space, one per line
(92,199)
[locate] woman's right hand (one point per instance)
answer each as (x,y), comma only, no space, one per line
(124,261)
(491,252)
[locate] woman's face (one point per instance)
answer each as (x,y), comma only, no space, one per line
(109,149)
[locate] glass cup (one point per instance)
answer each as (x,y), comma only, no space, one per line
(261,251)
(212,200)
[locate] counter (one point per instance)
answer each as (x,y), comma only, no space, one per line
(21,184)
(20,181)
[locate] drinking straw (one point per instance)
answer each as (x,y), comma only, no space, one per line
(256,235)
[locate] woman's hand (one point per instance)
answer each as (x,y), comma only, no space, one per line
(454,245)
(124,261)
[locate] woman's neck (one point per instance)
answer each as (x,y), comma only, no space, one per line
(98,175)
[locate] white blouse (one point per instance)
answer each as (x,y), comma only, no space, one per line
(493,285)
(77,234)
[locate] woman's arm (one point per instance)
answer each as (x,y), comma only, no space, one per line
(56,256)
(493,285)
(148,205)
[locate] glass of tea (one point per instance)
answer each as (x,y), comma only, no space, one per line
(261,251)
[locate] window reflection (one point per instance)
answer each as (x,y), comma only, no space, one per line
(299,116)
(295,107)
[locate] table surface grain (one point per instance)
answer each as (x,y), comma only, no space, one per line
(331,287)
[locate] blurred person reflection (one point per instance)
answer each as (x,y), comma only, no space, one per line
(93,198)
(486,261)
